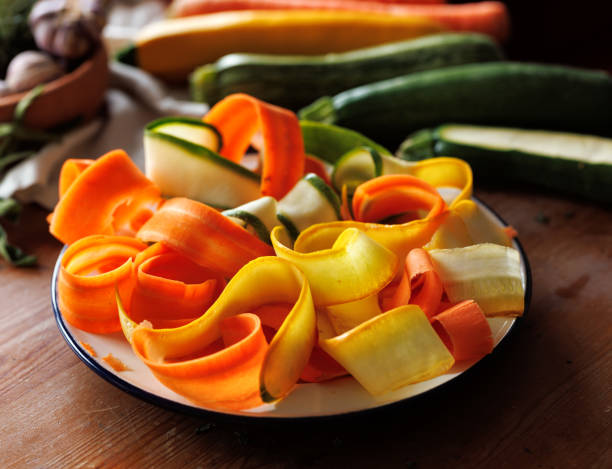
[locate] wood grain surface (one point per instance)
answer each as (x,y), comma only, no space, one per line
(541,400)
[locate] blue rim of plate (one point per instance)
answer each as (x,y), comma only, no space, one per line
(163,402)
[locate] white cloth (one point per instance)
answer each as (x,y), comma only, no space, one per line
(134,99)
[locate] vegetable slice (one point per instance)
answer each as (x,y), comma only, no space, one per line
(90,270)
(190,129)
(487,273)
(309,202)
(350,268)
(257,216)
(384,196)
(116,193)
(399,239)
(356,167)
(239,117)
(184,169)
(329,142)
(464,330)
(346,316)
(71,169)
(171,290)
(467,224)
(391,350)
(420,284)
(203,235)
(177,355)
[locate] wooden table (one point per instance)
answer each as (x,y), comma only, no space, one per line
(541,400)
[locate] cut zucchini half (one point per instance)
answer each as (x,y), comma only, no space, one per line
(355,167)
(184,169)
(192,130)
(310,201)
(257,217)
(574,164)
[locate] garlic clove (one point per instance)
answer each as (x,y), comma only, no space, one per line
(4,89)
(67,28)
(30,68)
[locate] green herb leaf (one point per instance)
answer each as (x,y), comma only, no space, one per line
(14,255)
(25,102)
(10,209)
(6,129)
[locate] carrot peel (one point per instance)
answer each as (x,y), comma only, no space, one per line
(177,356)
(204,235)
(464,330)
(420,284)
(89,270)
(239,117)
(171,290)
(111,184)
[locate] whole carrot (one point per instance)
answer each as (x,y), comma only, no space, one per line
(485,17)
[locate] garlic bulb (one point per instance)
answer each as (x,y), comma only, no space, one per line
(30,68)
(68,28)
(4,89)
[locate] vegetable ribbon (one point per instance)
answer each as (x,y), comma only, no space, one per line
(351,268)
(242,376)
(119,198)
(239,117)
(90,270)
(204,235)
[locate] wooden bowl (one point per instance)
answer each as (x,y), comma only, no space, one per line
(77,94)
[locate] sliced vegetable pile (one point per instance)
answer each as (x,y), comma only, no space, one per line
(235,283)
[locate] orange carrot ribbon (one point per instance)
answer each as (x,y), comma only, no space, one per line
(89,271)
(239,117)
(420,284)
(71,169)
(241,372)
(385,196)
(171,290)
(464,330)
(109,196)
(203,235)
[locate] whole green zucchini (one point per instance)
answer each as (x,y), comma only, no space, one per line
(572,164)
(294,81)
(498,93)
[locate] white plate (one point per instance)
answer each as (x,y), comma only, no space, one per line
(333,398)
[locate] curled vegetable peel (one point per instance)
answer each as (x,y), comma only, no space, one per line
(239,117)
(112,186)
(170,289)
(91,269)
(391,350)
(352,267)
(202,234)
(178,356)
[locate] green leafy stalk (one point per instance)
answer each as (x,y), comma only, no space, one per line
(10,209)
(25,102)
(17,141)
